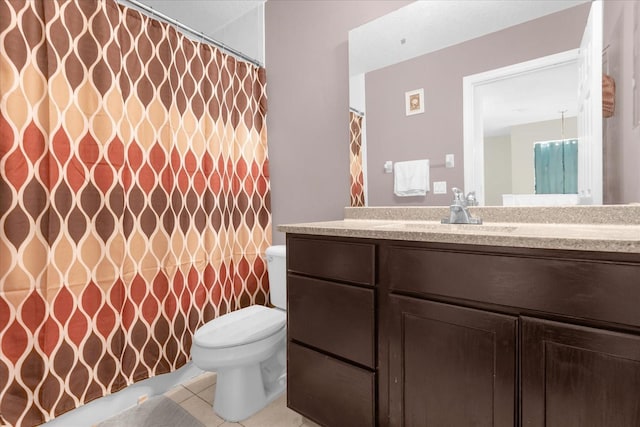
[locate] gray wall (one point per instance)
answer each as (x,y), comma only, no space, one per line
(245,34)
(497,169)
(621,140)
(438,131)
(308,95)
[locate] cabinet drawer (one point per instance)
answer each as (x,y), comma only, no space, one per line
(333,317)
(587,289)
(330,392)
(350,262)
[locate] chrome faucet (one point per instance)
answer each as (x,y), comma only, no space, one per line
(458,212)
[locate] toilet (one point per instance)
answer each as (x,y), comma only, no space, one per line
(247,349)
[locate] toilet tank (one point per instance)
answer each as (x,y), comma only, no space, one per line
(277,268)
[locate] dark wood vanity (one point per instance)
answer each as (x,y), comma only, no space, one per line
(400,333)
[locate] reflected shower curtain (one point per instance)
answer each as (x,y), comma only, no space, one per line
(134,199)
(355,160)
(556,167)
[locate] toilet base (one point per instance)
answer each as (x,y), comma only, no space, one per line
(242,391)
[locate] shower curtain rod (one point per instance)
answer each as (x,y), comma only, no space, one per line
(360,113)
(198,34)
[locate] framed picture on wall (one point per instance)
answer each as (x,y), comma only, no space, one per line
(414,102)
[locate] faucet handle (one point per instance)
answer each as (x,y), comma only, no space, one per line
(471,199)
(458,194)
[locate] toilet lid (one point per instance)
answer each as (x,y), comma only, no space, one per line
(240,327)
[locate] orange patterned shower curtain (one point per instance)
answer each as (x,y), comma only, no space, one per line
(134,199)
(355,160)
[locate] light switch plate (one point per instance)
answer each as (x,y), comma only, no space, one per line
(440,187)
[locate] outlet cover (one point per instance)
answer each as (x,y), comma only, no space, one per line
(449,161)
(440,187)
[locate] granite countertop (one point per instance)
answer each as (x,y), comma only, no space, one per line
(602,228)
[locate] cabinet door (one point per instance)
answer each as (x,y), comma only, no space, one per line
(575,376)
(450,366)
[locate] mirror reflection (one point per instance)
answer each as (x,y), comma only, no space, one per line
(414,48)
(539,106)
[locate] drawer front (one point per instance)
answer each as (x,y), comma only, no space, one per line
(333,317)
(349,262)
(596,290)
(329,391)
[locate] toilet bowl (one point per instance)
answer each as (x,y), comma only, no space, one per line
(247,349)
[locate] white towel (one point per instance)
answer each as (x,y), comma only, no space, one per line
(411,178)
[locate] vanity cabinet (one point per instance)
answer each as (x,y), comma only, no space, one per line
(490,336)
(442,334)
(331,330)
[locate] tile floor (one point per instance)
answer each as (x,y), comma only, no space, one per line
(196,396)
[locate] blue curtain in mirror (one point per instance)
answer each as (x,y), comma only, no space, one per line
(556,167)
(570,163)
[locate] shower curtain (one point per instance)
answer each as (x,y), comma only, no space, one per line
(355,160)
(134,199)
(556,167)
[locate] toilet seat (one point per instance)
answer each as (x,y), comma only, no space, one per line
(240,327)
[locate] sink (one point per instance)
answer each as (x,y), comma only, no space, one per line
(435,227)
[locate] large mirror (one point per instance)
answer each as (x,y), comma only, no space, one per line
(496,81)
